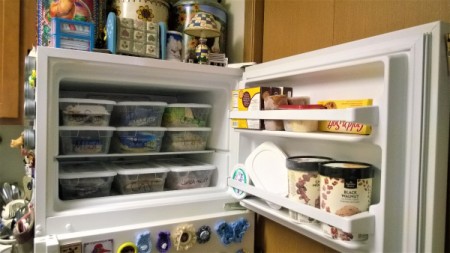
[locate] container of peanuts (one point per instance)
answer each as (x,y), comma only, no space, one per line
(345,190)
(304,183)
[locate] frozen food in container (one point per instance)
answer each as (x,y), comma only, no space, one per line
(139,176)
(301,125)
(85,112)
(185,139)
(186,173)
(84,180)
(138,113)
(137,139)
(186,115)
(85,139)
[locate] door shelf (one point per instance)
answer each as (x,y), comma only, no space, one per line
(61,157)
(343,137)
(363,115)
(363,223)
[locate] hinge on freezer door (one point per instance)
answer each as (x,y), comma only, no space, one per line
(447,38)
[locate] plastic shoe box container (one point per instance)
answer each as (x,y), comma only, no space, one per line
(186,115)
(76,140)
(185,139)
(85,112)
(138,176)
(84,180)
(135,113)
(137,139)
(186,173)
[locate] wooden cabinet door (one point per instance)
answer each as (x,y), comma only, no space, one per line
(9,58)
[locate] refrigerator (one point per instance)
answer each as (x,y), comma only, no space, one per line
(405,74)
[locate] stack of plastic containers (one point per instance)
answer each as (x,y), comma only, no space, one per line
(85,127)
(138,126)
(85,130)
(186,127)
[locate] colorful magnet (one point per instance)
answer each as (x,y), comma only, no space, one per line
(99,246)
(144,243)
(225,232)
(127,247)
(163,244)
(184,237)
(203,234)
(239,228)
(239,174)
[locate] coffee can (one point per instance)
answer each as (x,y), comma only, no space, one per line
(304,183)
(345,190)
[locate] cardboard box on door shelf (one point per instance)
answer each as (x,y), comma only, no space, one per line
(77,10)
(252,99)
(344,126)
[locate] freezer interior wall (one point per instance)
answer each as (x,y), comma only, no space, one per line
(72,77)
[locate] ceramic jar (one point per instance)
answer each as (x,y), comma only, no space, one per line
(182,13)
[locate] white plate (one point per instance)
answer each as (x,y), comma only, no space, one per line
(266,166)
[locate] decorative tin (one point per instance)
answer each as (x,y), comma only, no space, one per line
(182,13)
(78,10)
(145,10)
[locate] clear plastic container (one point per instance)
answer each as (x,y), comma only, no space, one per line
(85,139)
(138,113)
(186,115)
(186,173)
(185,139)
(84,180)
(137,139)
(139,176)
(85,112)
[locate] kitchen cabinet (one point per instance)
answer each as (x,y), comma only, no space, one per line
(9,53)
(16,39)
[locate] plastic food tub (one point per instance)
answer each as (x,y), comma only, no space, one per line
(301,125)
(187,174)
(137,139)
(85,139)
(185,139)
(135,113)
(84,180)
(186,115)
(139,177)
(85,112)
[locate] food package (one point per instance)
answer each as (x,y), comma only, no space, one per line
(252,99)
(344,126)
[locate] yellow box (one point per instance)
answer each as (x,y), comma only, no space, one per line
(344,126)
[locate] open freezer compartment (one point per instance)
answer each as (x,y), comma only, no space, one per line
(86,75)
(388,70)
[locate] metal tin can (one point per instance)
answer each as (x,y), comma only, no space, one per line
(304,183)
(345,190)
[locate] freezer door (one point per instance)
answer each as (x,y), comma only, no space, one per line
(404,74)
